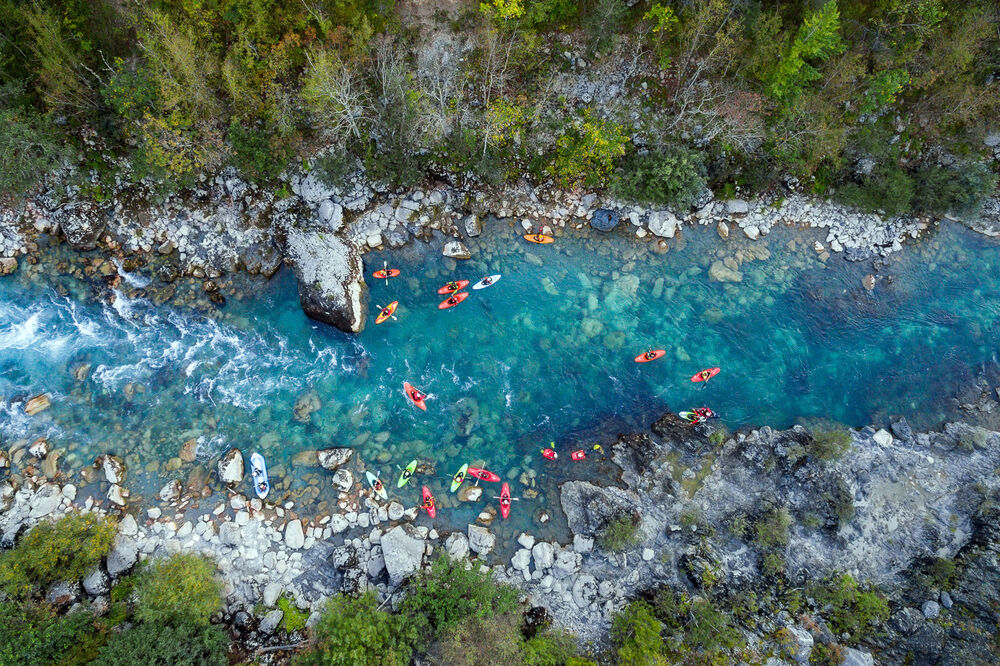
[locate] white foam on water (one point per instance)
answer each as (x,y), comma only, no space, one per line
(134,279)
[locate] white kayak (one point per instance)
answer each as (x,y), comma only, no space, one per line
(377,485)
(258,471)
(486,282)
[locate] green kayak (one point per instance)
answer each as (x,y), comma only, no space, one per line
(406,474)
(459,477)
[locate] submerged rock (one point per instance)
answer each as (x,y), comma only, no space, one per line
(37,404)
(7,265)
(114,468)
(330,277)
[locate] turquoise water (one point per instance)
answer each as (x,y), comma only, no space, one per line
(545,354)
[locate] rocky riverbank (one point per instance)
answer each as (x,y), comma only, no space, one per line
(876,504)
(227,225)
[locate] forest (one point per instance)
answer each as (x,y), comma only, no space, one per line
(884,104)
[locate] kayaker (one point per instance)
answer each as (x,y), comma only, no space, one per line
(452,286)
(262,486)
(459,477)
(406,475)
(650,355)
(505,502)
(487,280)
(452,300)
(705,375)
(428,503)
(377,485)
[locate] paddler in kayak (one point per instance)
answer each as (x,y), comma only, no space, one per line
(650,355)
(487,280)
(417,396)
(452,286)
(428,503)
(505,502)
(705,375)
(452,300)
(377,485)
(386,311)
(705,412)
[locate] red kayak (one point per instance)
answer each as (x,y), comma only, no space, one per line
(550,454)
(381,275)
(428,504)
(705,375)
(505,500)
(578,455)
(414,395)
(650,356)
(453,300)
(483,474)
(452,287)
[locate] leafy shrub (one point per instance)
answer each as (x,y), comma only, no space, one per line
(131,94)
(852,609)
(154,644)
(292,618)
(30,148)
(620,533)
(586,153)
(959,189)
(830,444)
(65,549)
(354,631)
(672,177)
(772,564)
(257,153)
(549,648)
(826,655)
(602,23)
(34,634)
(635,633)
(772,529)
(941,572)
(181,589)
(448,593)
(887,188)
(544,13)
(478,641)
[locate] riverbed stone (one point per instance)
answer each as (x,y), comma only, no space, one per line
(719,272)
(543,554)
(170,491)
(663,223)
(114,468)
(231,467)
(7,265)
(37,404)
(473,227)
(481,540)
(403,551)
(333,458)
(294,537)
(271,592)
(456,250)
(342,480)
(457,546)
(123,556)
(45,500)
(604,219)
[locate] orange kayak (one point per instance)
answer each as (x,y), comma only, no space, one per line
(450,289)
(541,239)
(657,353)
(386,312)
(415,396)
(705,375)
(453,300)
(381,275)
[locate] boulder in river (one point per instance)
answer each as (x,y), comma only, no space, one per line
(473,227)
(231,466)
(456,250)
(82,223)
(333,458)
(330,276)
(604,219)
(114,468)
(663,223)
(481,540)
(7,265)
(39,448)
(189,450)
(403,551)
(719,272)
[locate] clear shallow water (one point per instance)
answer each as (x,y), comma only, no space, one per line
(545,354)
